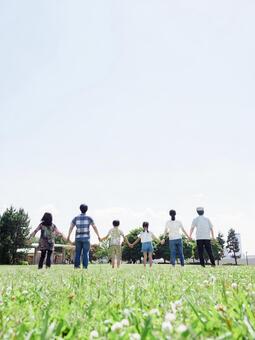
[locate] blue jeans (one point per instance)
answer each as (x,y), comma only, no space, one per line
(81,247)
(176,245)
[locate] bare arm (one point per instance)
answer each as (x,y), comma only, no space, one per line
(212,231)
(135,242)
(96,231)
(70,231)
(104,238)
(35,231)
(191,230)
(185,233)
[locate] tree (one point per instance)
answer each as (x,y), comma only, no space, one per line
(233,244)
(187,248)
(220,251)
(102,250)
(132,254)
(14,230)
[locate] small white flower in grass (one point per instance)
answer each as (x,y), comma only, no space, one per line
(234,285)
(106,322)
(212,279)
(182,328)
(126,312)
(250,286)
(170,317)
(94,334)
(166,327)
(116,327)
(135,336)
(206,283)
(154,312)
(125,323)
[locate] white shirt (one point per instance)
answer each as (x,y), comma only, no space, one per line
(146,236)
(203,226)
(173,229)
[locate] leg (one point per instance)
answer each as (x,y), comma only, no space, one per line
(180,251)
(208,248)
(150,259)
(118,255)
(144,258)
(172,246)
(78,248)
(42,257)
(200,249)
(85,255)
(48,258)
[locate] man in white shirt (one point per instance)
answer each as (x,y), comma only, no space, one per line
(204,230)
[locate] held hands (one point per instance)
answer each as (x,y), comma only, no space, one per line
(162,241)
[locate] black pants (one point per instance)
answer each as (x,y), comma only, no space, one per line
(201,244)
(48,258)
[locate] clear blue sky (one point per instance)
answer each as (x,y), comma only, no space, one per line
(133,107)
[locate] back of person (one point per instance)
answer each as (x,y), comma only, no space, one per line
(115,236)
(174,229)
(203,227)
(146,236)
(82,223)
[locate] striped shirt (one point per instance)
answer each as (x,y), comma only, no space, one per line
(82,223)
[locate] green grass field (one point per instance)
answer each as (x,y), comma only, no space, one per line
(130,303)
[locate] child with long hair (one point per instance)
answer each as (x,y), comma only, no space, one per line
(146,237)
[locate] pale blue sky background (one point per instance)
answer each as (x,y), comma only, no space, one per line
(133,107)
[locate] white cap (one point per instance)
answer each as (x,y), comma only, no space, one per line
(200,209)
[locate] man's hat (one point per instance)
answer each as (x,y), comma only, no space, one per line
(200,209)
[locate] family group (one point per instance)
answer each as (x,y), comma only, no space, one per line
(173,230)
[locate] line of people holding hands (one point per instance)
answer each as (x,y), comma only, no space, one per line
(82,222)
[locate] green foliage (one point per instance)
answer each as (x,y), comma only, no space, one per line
(14,230)
(102,251)
(62,303)
(233,244)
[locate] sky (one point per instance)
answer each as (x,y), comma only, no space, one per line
(133,107)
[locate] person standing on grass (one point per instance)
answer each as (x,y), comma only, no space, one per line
(115,235)
(46,242)
(146,238)
(82,223)
(173,229)
(204,230)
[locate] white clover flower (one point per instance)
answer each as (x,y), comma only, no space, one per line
(116,327)
(94,334)
(234,285)
(126,312)
(182,328)
(206,283)
(135,336)
(106,322)
(170,317)
(250,286)
(166,326)
(154,312)
(176,305)
(125,323)
(212,279)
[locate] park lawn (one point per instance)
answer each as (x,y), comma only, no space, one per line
(161,303)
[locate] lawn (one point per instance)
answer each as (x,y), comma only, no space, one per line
(130,303)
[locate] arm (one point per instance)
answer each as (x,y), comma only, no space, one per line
(96,231)
(192,228)
(70,231)
(104,238)
(211,227)
(35,231)
(155,238)
(135,242)
(185,233)
(58,233)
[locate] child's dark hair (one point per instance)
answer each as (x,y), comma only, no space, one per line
(146,225)
(116,223)
(83,208)
(47,219)
(172,213)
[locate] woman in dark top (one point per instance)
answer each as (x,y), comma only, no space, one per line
(46,242)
